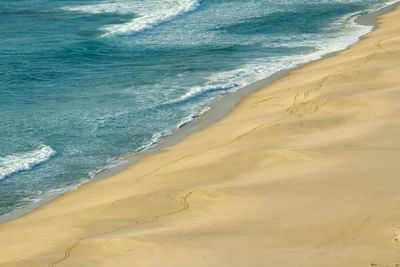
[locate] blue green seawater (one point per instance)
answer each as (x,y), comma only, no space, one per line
(85,82)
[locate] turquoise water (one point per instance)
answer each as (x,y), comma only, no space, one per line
(85,82)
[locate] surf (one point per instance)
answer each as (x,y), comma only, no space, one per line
(27,161)
(147,18)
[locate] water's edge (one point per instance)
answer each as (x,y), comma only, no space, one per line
(218,110)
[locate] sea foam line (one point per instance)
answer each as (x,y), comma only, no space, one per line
(12,164)
(202,90)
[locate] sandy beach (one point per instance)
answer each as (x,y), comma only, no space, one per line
(304,172)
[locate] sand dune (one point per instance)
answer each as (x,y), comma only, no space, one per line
(305,172)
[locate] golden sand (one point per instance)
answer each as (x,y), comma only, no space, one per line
(305,172)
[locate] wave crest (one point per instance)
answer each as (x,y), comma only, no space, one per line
(12,164)
(150,20)
(148,16)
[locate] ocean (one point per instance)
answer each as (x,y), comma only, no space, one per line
(85,82)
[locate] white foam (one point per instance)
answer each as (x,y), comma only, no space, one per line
(389,3)
(192,117)
(168,11)
(19,162)
(158,137)
(155,139)
(200,90)
(150,13)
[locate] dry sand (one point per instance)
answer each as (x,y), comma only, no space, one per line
(305,172)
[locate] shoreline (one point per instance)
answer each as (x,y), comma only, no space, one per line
(218,109)
(303,172)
